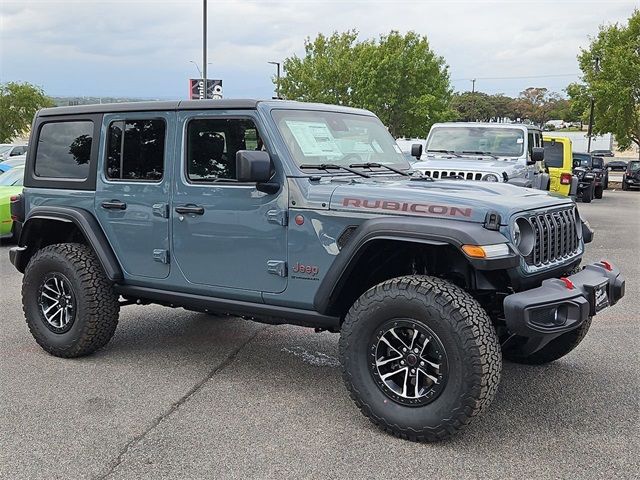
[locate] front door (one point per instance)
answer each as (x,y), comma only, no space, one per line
(226,234)
(132,190)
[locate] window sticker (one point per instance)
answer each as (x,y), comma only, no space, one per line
(520,140)
(314,138)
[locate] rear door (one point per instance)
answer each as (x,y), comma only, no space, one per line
(132,189)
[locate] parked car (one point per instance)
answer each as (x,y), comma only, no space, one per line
(10,185)
(491,152)
(558,162)
(15,161)
(617,165)
(590,180)
(286,212)
(7,151)
(599,167)
(631,177)
(602,153)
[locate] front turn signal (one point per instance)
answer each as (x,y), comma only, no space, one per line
(486,251)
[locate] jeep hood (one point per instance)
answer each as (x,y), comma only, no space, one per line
(454,199)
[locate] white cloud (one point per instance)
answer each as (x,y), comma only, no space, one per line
(143,47)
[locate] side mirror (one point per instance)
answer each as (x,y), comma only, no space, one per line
(576,163)
(416,150)
(253,166)
(537,155)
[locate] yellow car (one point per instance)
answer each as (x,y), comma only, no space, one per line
(558,161)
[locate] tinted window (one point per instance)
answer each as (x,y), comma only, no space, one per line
(634,166)
(212,145)
(139,153)
(64,150)
(553,154)
(597,162)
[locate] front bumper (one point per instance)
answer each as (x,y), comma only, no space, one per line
(562,304)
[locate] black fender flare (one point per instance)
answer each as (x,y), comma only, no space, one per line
(430,231)
(84,221)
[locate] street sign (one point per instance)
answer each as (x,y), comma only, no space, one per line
(196,89)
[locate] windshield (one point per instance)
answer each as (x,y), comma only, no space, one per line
(634,166)
(501,142)
(316,138)
(585,160)
(597,162)
(12,177)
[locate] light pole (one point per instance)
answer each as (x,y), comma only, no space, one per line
(204,48)
(277,64)
(596,69)
(197,68)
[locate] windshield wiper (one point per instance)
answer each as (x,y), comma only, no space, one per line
(449,152)
(333,166)
(378,165)
(489,154)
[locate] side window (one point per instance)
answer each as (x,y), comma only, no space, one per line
(212,145)
(531,143)
(135,150)
(64,150)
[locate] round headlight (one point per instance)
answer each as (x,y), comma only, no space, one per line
(490,177)
(523,236)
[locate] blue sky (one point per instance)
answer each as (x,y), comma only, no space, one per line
(143,48)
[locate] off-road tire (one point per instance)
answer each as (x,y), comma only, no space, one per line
(97,307)
(598,192)
(553,350)
(469,340)
(624,184)
(587,194)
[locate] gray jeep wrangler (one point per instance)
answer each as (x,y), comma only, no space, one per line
(287,212)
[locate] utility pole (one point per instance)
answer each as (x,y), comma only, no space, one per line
(589,131)
(277,64)
(473,85)
(204,48)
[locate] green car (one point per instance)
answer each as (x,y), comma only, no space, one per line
(10,184)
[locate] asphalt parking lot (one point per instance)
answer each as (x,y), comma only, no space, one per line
(183,395)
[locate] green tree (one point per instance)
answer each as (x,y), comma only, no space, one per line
(398,77)
(536,104)
(473,106)
(578,103)
(18,104)
(615,85)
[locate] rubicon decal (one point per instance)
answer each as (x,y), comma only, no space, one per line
(417,208)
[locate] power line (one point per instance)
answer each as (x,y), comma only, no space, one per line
(557,75)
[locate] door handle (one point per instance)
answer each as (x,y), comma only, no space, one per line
(114,205)
(195,209)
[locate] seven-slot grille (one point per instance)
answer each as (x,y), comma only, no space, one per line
(453,173)
(556,236)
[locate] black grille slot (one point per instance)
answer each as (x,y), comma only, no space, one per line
(345,236)
(556,237)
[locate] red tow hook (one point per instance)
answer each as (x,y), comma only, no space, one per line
(606,265)
(567,283)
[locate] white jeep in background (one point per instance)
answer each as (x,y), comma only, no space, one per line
(493,152)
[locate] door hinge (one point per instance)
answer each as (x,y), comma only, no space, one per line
(161,210)
(277,267)
(278,217)
(160,255)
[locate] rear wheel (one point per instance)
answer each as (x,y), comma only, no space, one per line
(69,304)
(553,350)
(624,184)
(420,357)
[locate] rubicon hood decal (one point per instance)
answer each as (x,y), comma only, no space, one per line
(415,208)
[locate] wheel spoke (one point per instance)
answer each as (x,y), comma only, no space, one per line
(44,294)
(395,372)
(393,332)
(48,287)
(430,377)
(406,381)
(430,363)
(379,362)
(413,339)
(383,339)
(50,307)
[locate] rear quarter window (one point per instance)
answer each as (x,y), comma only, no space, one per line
(63,150)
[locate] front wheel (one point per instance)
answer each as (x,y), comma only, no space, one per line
(420,357)
(587,194)
(598,192)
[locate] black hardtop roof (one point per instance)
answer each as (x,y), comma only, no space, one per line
(222,104)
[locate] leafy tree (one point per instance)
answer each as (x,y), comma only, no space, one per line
(473,106)
(615,85)
(578,103)
(398,77)
(536,104)
(18,104)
